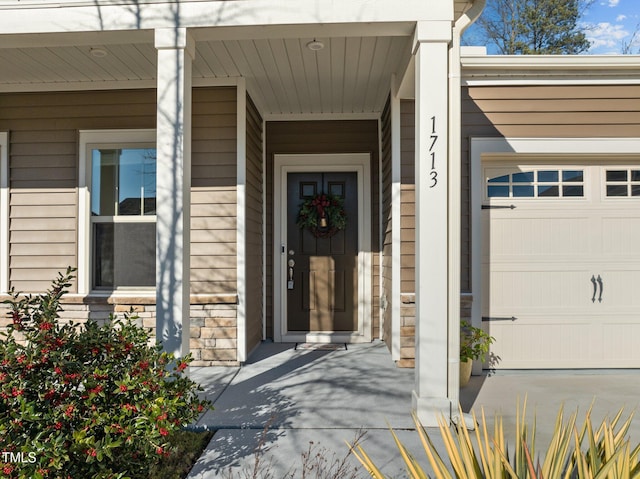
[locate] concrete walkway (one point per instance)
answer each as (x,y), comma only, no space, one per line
(284,403)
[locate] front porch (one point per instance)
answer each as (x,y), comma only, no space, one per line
(283,399)
(223,87)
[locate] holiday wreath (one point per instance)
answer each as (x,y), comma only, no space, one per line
(323,215)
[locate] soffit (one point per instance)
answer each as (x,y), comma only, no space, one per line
(351,74)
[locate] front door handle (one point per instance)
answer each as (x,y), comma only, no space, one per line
(601,288)
(595,288)
(291,263)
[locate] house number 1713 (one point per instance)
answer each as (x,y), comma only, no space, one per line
(433,174)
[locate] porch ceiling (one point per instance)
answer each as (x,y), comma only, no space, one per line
(351,74)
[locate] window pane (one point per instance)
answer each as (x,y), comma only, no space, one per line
(136,181)
(103,181)
(617,175)
(125,254)
(616,190)
(499,179)
(498,191)
(548,190)
(135,254)
(522,191)
(572,190)
(526,177)
(548,176)
(635,175)
(103,251)
(635,190)
(572,175)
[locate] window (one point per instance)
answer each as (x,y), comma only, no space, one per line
(622,182)
(543,183)
(121,203)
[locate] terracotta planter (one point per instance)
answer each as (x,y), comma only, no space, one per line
(465,372)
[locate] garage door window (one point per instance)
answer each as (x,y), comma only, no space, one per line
(623,182)
(538,184)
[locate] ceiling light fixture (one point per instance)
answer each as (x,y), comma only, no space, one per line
(98,52)
(315,45)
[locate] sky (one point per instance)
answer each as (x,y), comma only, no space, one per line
(608,24)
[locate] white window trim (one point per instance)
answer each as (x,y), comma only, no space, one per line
(613,149)
(4,212)
(90,139)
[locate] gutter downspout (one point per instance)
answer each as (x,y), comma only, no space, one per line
(455,151)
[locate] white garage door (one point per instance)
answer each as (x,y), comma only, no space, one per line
(561,264)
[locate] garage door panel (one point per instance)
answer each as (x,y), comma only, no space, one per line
(621,237)
(536,291)
(625,334)
(537,343)
(525,235)
(620,289)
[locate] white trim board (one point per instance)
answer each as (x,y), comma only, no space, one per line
(612,149)
(4,212)
(360,163)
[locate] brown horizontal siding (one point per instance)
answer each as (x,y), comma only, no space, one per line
(213,191)
(307,137)
(254,227)
(44,177)
(43,174)
(572,111)
(407,197)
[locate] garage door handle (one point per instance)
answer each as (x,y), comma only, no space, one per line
(601,288)
(595,288)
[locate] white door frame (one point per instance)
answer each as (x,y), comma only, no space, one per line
(360,163)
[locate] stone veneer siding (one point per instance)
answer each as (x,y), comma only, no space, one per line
(213,330)
(408,326)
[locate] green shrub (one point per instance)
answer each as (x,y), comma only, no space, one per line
(89,400)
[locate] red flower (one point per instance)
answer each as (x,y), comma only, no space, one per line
(97,390)
(69,411)
(15,392)
(91,452)
(57,370)
(46,326)
(162,417)
(159,450)
(182,366)
(123,388)
(58,425)
(7,469)
(163,431)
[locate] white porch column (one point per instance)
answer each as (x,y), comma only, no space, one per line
(175,53)
(431,49)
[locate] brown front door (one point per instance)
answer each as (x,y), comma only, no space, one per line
(323,295)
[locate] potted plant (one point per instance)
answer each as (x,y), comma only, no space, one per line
(474,344)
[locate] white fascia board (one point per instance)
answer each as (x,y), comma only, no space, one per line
(87,16)
(4,212)
(550,69)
